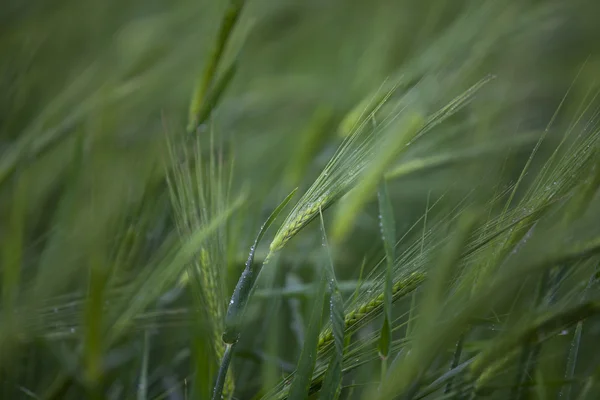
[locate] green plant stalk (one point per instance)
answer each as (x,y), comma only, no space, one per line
(222,374)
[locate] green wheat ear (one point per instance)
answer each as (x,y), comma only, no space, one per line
(365,154)
(198,193)
(338,176)
(374,306)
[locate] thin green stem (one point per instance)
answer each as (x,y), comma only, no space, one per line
(223,368)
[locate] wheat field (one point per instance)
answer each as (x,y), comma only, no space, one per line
(319,199)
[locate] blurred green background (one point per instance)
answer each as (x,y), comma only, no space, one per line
(92,92)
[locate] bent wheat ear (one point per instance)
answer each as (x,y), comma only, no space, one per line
(339,175)
(360,151)
(373,306)
(198,191)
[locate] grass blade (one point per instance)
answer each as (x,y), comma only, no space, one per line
(239,300)
(388,234)
(566,391)
(241,294)
(142,392)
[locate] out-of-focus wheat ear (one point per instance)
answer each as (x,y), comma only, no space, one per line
(206,81)
(222,374)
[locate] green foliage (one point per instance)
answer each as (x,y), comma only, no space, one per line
(450,149)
